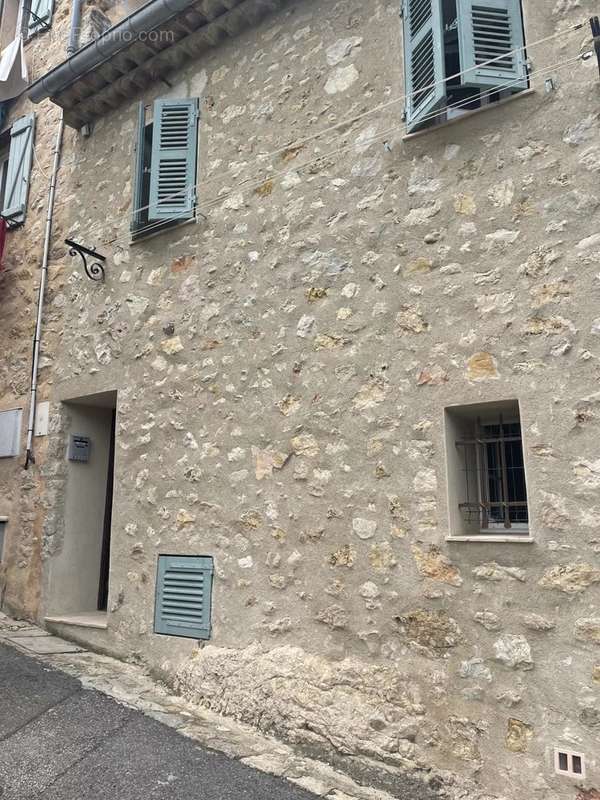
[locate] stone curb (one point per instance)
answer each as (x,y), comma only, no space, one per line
(131,686)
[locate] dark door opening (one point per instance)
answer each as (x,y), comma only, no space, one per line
(105,554)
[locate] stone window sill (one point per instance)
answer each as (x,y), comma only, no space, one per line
(470,115)
(141,237)
(515,539)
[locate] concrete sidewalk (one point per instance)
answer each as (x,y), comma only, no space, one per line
(76,725)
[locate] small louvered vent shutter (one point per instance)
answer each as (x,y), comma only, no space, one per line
(19,166)
(423,59)
(173,166)
(183,596)
(41,15)
(492,30)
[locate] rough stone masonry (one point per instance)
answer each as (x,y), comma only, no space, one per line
(282,369)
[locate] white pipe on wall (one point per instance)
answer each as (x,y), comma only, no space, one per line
(71,50)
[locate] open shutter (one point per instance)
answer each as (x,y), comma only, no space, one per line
(492,30)
(40,16)
(138,176)
(183,596)
(173,166)
(423,59)
(19,166)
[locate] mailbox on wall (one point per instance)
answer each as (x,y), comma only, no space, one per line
(79,448)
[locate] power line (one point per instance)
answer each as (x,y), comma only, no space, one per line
(250,184)
(382,106)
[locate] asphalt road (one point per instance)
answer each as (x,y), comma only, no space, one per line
(59,741)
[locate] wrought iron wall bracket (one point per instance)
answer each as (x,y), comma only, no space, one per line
(94,270)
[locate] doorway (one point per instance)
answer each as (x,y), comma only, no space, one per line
(79,571)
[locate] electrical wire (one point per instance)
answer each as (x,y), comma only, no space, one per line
(249,184)
(37,161)
(382,136)
(382,106)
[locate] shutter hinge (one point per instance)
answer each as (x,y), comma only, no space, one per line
(402,11)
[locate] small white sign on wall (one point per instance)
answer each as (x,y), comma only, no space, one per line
(10,432)
(42,419)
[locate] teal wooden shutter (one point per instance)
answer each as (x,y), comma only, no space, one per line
(423,59)
(19,167)
(183,596)
(40,16)
(492,30)
(138,214)
(173,165)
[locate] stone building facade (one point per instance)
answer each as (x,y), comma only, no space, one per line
(292,375)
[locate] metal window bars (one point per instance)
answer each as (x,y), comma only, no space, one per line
(494,471)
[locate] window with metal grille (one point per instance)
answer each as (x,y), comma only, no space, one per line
(486,470)
(459,56)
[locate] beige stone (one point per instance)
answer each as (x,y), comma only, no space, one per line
(587,629)
(171,346)
(410,320)
(432,376)
(305,445)
(266,461)
(518,736)
(433,564)
(570,578)
(465,204)
(419,266)
(434,630)
(344,557)
(481,367)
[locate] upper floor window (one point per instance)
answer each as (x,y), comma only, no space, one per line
(166,165)
(16,152)
(23,17)
(460,55)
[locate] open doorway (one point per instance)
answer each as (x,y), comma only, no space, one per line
(79,571)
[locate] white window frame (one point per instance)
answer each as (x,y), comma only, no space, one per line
(467,475)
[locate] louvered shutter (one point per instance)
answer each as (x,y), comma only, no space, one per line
(41,15)
(492,30)
(173,165)
(138,176)
(423,59)
(19,166)
(183,596)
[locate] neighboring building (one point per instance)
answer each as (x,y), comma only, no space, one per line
(323,444)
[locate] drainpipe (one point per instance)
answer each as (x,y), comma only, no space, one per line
(75,28)
(29,457)
(71,49)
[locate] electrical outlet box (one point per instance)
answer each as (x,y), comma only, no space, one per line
(79,448)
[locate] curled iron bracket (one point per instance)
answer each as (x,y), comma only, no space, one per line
(595,26)
(94,270)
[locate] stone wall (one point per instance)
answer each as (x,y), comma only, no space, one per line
(22,493)
(283,366)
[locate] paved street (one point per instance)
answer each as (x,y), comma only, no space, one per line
(59,741)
